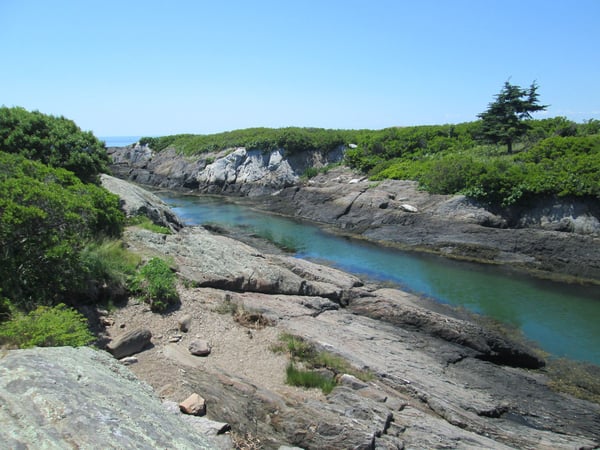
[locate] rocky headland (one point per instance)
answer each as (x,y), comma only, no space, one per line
(557,238)
(437,379)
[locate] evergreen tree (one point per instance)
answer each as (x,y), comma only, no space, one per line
(504,120)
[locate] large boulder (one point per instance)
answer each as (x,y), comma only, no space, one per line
(68,397)
(136,201)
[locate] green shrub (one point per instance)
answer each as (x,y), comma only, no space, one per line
(308,379)
(109,266)
(55,141)
(46,217)
(310,172)
(147,224)
(297,347)
(46,327)
(155,283)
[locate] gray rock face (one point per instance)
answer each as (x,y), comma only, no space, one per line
(453,399)
(82,398)
(136,201)
(559,237)
(246,168)
(234,171)
(401,308)
(217,261)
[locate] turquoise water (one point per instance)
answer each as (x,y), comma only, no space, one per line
(563,319)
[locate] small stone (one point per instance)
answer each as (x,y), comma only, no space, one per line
(193,405)
(352,381)
(128,360)
(107,321)
(408,208)
(185,322)
(325,373)
(176,338)
(199,347)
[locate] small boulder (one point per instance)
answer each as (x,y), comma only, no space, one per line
(185,322)
(193,405)
(130,343)
(408,208)
(199,347)
(352,382)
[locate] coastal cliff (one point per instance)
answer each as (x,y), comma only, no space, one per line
(558,238)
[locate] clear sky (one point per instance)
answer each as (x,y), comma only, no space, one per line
(131,67)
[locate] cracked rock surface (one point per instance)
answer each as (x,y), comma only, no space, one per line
(440,381)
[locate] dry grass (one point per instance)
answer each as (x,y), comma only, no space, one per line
(245,441)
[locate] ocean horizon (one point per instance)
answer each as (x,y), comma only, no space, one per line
(119,141)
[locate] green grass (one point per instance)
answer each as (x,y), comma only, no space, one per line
(304,352)
(147,224)
(308,379)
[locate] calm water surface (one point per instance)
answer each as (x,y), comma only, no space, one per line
(563,319)
(119,141)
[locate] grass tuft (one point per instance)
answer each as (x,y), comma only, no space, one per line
(147,224)
(303,352)
(308,379)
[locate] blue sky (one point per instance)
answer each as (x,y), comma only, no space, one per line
(157,67)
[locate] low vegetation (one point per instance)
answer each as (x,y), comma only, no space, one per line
(308,379)
(291,139)
(551,157)
(313,368)
(46,326)
(47,217)
(579,379)
(155,283)
(504,159)
(147,224)
(248,319)
(54,141)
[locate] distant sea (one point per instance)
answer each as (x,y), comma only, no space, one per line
(119,141)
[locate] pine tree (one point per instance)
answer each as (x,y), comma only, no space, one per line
(505,119)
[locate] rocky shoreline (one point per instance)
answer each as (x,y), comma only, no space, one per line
(556,238)
(438,381)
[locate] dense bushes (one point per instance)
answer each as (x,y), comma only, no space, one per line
(59,234)
(46,327)
(556,157)
(291,139)
(55,141)
(46,217)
